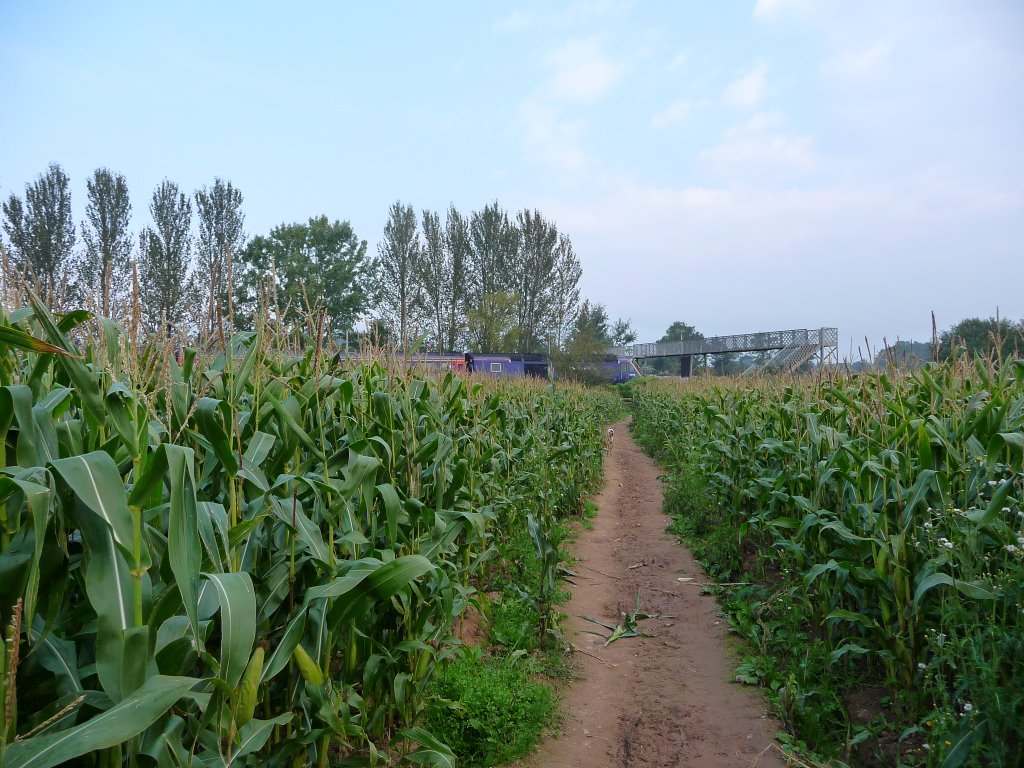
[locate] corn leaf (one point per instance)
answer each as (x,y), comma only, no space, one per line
(433,752)
(16,402)
(109,584)
(961,750)
(254,734)
(183,541)
(19,339)
(238,623)
(214,420)
(121,722)
(86,385)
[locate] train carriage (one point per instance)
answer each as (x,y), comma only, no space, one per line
(509,364)
(614,369)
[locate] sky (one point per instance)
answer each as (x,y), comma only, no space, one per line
(739,166)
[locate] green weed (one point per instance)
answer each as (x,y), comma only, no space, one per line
(490,710)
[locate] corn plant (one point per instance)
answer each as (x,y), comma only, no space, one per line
(254,552)
(897,501)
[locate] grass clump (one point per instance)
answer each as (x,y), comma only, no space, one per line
(489,710)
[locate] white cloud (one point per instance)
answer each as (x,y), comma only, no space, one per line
(758,152)
(673,114)
(861,63)
(770,8)
(679,61)
(757,146)
(578,72)
(585,10)
(574,15)
(553,141)
(747,91)
(582,72)
(517,21)
(759,121)
(766,7)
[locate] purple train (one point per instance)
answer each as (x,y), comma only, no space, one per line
(618,368)
(509,364)
(614,369)
(503,364)
(611,368)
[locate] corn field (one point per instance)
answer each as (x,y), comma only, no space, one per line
(248,557)
(885,514)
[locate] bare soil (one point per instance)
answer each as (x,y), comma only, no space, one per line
(664,700)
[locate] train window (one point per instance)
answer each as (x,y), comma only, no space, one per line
(495,367)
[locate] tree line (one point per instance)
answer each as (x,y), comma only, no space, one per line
(993,337)
(486,280)
(190,269)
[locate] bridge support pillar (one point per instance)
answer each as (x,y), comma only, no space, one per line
(686,366)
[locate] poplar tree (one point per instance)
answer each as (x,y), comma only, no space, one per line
(398,270)
(5,285)
(105,266)
(565,292)
(220,241)
(531,277)
(458,249)
(165,259)
(42,234)
(443,276)
(494,248)
(435,276)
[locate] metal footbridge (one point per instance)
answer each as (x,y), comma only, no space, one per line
(792,349)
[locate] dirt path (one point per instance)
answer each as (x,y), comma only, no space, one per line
(666,700)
